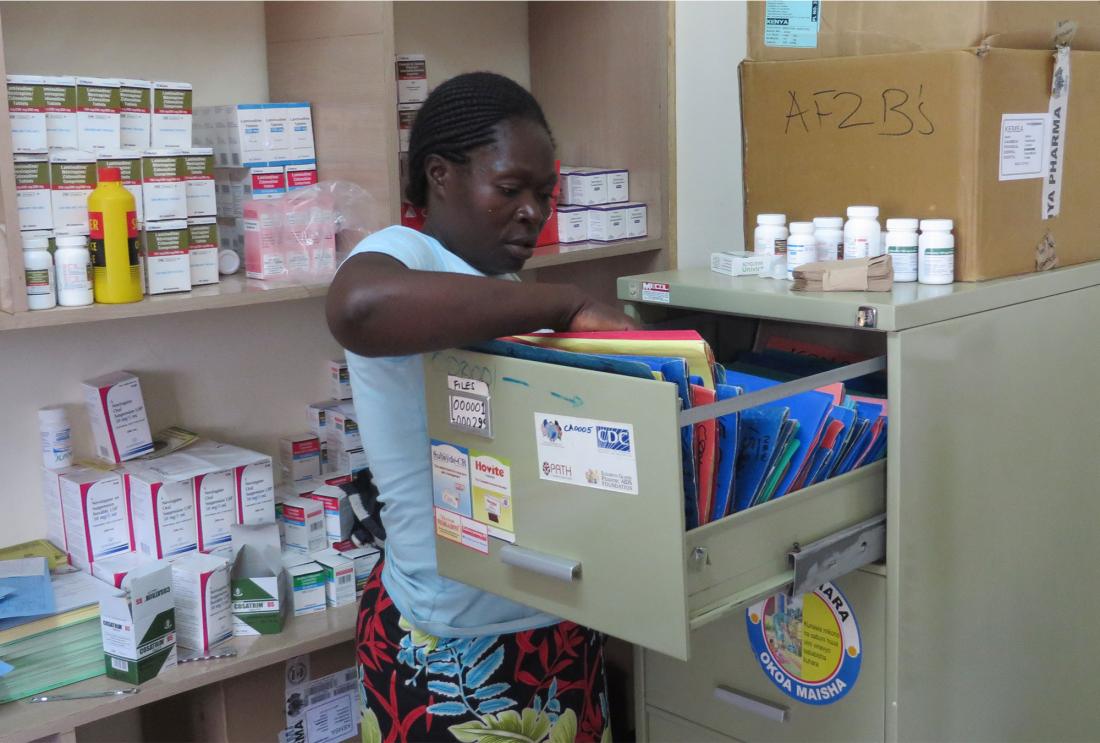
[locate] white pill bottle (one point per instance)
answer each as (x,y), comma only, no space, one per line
(901,245)
(56,436)
(38,269)
(936,252)
(801,246)
(862,233)
(74,271)
(770,237)
(829,236)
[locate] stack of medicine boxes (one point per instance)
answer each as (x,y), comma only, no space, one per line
(261,150)
(595,206)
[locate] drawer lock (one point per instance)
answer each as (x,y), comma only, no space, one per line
(837,555)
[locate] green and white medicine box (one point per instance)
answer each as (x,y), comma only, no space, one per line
(139,628)
(307,584)
(258,582)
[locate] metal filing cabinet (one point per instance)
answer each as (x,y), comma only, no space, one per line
(989,491)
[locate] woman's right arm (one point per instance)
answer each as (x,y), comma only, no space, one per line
(379,307)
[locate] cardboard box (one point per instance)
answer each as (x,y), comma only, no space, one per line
(113,570)
(637,221)
(136,97)
(341,428)
(59,93)
(167,263)
(572,224)
(27,113)
(364,559)
(139,629)
(339,381)
(128,163)
(73,177)
(51,501)
(98,110)
(32,192)
(300,457)
(116,411)
(170,125)
(744,263)
(162,511)
(254,486)
(277,138)
(304,525)
(201,587)
(339,577)
(97,521)
(202,250)
(346,461)
(198,177)
(584,186)
(257,582)
(944,153)
(847,29)
(307,588)
(163,186)
(338,516)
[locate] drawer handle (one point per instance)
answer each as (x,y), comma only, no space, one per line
(749,703)
(551,566)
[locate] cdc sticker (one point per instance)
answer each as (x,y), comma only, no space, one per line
(809,645)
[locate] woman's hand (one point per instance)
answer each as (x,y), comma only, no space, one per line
(595,316)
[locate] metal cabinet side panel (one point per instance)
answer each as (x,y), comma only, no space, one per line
(993,501)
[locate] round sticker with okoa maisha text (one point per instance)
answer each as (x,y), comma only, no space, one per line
(809,645)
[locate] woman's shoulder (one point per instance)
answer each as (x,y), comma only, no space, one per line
(415,249)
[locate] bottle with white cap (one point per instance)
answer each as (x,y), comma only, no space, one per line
(862,233)
(770,237)
(38,269)
(901,245)
(829,236)
(74,271)
(56,437)
(801,246)
(936,252)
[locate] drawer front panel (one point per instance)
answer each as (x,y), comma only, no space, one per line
(666,728)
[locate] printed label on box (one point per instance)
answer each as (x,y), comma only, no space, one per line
(451,477)
(792,23)
(1022,145)
(585,452)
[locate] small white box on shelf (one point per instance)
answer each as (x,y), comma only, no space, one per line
(412,78)
(98,113)
(202,250)
(59,93)
(170,125)
(301,175)
(572,224)
(162,511)
(201,587)
(164,189)
(307,587)
(167,263)
(304,525)
(339,381)
(339,577)
(198,176)
(637,221)
(300,124)
(618,186)
(72,180)
(97,522)
(584,186)
(606,223)
(116,411)
(27,113)
(32,192)
(136,97)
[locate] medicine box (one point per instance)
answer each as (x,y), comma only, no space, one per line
(32,192)
(618,186)
(412,78)
(302,175)
(307,588)
(216,510)
(257,581)
(341,428)
(300,124)
(27,113)
(637,220)
(346,461)
(201,587)
(241,132)
(572,224)
(116,411)
(162,512)
(339,518)
(51,502)
(406,115)
(139,628)
(339,381)
(339,577)
(59,95)
(135,123)
(198,176)
(583,186)
(97,521)
(254,484)
(244,184)
(318,415)
(98,111)
(202,250)
(113,570)
(72,180)
(304,525)
(165,249)
(364,559)
(128,163)
(606,223)
(742,263)
(163,187)
(277,137)
(170,125)
(300,457)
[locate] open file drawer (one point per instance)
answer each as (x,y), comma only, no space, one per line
(612,555)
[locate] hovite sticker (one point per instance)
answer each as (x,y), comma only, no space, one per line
(586,452)
(808,646)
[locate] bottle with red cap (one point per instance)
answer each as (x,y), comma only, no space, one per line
(113,239)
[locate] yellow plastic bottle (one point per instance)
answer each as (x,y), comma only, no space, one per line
(113,240)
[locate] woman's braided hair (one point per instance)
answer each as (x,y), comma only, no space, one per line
(460,115)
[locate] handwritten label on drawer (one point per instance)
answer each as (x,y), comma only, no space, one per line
(470,413)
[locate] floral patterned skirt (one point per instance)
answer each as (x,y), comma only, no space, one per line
(541,686)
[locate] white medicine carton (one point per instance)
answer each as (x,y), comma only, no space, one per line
(341,428)
(607,223)
(116,411)
(202,250)
(136,97)
(113,570)
(304,525)
(73,177)
(572,224)
(201,587)
(171,119)
(27,113)
(163,186)
(97,522)
(339,381)
(59,94)
(307,587)
(215,505)
(300,125)
(198,175)
(339,518)
(253,479)
(51,501)
(364,559)
(339,577)
(32,192)
(300,457)
(165,248)
(162,511)
(139,629)
(98,113)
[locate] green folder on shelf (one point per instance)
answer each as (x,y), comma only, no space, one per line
(51,659)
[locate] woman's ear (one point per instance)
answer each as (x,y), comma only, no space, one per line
(438,172)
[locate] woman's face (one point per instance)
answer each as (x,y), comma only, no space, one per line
(490,210)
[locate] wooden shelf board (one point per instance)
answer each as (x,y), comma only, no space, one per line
(233,291)
(558,255)
(21,721)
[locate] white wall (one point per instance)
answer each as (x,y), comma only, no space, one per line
(710,43)
(453,36)
(218,47)
(242,375)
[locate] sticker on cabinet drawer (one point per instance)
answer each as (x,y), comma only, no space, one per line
(462,530)
(451,477)
(492,490)
(808,646)
(654,291)
(585,452)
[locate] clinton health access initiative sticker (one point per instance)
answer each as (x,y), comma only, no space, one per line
(809,645)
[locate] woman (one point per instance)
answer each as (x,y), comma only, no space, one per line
(439,660)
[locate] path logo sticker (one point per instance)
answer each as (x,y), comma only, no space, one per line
(809,646)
